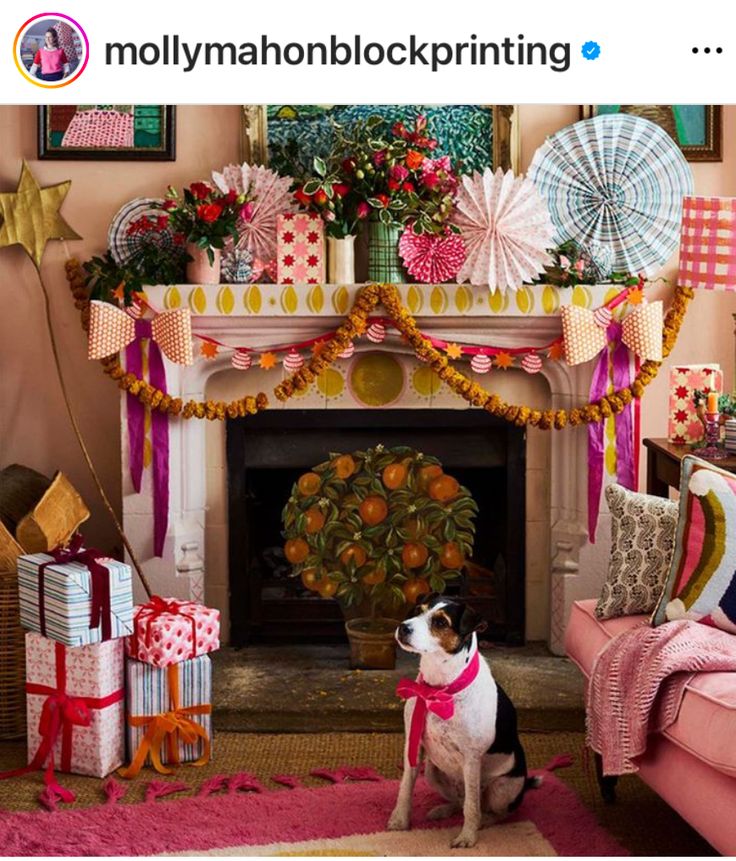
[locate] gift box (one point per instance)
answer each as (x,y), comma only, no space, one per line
(684,426)
(167,631)
(75,596)
(75,705)
(169,714)
(300,248)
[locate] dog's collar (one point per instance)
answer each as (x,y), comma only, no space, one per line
(438,699)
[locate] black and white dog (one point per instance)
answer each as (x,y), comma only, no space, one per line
(466,723)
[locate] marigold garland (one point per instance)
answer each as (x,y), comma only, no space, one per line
(146,393)
(355,325)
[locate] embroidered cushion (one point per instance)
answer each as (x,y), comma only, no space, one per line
(642,541)
(701,584)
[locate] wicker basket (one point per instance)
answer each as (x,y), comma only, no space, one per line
(12,660)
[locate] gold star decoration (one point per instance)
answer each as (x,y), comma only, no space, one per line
(503,360)
(208,349)
(29,216)
(267,361)
(454,351)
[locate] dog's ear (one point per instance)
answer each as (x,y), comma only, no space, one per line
(470,621)
(430,599)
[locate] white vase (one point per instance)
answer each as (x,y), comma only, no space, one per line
(341,260)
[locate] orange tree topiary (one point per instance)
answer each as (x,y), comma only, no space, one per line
(378,528)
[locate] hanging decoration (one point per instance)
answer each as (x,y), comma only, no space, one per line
(431,258)
(531,363)
(241,360)
(376,332)
(126,242)
(293,361)
(615,181)
(481,363)
(506,229)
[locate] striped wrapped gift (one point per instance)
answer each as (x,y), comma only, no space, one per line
(67,598)
(151,694)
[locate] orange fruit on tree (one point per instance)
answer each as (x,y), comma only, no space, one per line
(414,588)
(444,488)
(296,550)
(315,520)
(451,556)
(427,474)
(373,510)
(344,466)
(355,553)
(414,555)
(327,588)
(310,580)
(309,483)
(394,475)
(377,575)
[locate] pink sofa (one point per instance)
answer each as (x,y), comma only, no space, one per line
(692,764)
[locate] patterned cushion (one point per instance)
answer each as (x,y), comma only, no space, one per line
(702,581)
(642,540)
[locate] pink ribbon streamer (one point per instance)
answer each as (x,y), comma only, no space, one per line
(159,431)
(625,458)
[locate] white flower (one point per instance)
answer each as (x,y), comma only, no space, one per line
(357,536)
(379,447)
(323,502)
(411,509)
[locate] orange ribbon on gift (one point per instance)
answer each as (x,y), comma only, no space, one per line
(170,727)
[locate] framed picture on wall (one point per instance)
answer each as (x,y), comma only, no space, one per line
(478,136)
(107,132)
(696,128)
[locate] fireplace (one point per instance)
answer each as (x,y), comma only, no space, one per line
(265,455)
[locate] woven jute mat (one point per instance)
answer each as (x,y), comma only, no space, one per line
(639,820)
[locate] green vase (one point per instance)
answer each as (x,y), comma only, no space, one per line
(384,263)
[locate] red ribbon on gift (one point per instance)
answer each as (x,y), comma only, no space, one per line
(100,610)
(157,606)
(60,713)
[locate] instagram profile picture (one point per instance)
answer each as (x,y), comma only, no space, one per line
(51,50)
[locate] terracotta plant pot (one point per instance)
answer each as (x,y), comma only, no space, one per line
(341,260)
(199,268)
(372,643)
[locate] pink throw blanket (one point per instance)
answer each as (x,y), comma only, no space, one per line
(638,681)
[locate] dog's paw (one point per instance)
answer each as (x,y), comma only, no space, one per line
(398,821)
(465,839)
(443,811)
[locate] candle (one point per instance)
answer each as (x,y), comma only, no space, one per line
(712,405)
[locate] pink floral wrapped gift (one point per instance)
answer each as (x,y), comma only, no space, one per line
(75,705)
(167,631)
(300,251)
(684,426)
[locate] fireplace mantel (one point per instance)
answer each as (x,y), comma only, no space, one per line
(261,315)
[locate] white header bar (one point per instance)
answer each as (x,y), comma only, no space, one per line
(435,51)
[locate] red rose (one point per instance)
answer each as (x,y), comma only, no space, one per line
(384,198)
(209,212)
(169,205)
(394,185)
(341,189)
(231,196)
(407,186)
(320,197)
(414,159)
(200,190)
(301,197)
(348,165)
(162,222)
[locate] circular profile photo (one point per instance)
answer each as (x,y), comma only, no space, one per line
(51,50)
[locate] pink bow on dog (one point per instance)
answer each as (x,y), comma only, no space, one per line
(112,329)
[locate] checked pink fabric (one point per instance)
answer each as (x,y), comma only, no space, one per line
(708,243)
(438,700)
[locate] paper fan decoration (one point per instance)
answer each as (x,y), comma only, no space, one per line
(506,228)
(431,259)
(272,197)
(125,243)
(617,181)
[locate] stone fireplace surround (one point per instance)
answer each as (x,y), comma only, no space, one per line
(561,565)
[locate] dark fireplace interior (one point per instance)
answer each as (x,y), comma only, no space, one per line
(266,453)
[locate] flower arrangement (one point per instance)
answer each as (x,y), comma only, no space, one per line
(387,174)
(205,216)
(572,265)
(383,527)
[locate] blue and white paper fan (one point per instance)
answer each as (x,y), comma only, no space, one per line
(615,181)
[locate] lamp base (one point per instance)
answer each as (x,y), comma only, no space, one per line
(711,452)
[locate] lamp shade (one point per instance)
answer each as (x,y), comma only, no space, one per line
(708,243)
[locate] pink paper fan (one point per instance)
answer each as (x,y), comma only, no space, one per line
(506,227)
(272,198)
(429,258)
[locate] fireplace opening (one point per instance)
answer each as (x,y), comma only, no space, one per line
(265,455)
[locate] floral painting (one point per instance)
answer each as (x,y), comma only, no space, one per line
(107,132)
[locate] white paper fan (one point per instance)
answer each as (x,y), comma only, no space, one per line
(506,229)
(272,198)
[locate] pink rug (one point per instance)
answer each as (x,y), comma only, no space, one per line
(344,819)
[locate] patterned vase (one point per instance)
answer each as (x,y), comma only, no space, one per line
(384,263)
(341,260)
(199,268)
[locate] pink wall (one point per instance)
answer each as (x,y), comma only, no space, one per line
(33,425)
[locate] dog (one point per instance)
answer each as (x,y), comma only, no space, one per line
(466,723)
